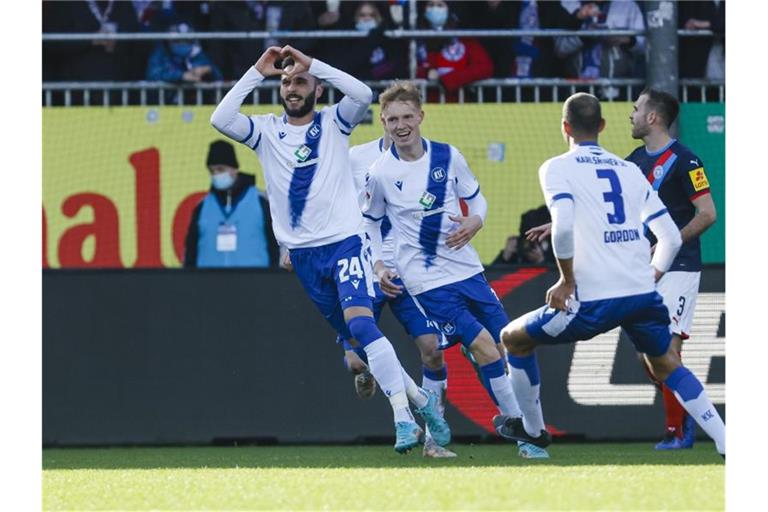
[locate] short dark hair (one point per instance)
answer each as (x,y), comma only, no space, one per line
(663,103)
(582,111)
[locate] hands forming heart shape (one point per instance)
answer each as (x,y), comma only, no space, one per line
(272,61)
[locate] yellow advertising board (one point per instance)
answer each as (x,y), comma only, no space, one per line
(119,184)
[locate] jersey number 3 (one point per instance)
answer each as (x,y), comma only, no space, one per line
(614,196)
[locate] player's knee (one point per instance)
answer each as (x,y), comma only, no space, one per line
(516,339)
(364,329)
(431,356)
(484,349)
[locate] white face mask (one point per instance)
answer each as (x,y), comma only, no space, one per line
(436,16)
(222,180)
(366,25)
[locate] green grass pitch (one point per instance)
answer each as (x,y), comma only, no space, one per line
(630,476)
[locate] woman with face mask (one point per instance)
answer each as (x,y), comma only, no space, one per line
(454,62)
(373,57)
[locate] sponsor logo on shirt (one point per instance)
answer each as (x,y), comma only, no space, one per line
(281,135)
(698,179)
(303,153)
(399,185)
(427,200)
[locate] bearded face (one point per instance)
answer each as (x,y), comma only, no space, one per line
(298,94)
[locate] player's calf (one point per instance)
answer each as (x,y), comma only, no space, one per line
(690,393)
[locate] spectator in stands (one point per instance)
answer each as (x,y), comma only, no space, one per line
(99,60)
(231,227)
(534,251)
(236,56)
(454,61)
(181,60)
(520,249)
(509,254)
(702,57)
(604,57)
(493,15)
(375,57)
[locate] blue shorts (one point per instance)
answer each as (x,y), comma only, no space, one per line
(405,310)
(336,277)
(644,317)
(463,309)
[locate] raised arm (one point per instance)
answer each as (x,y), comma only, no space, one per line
(357,96)
(227,117)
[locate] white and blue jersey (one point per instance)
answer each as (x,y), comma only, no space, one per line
(615,282)
(418,197)
(313,200)
(403,307)
(612,201)
(361,158)
(305,170)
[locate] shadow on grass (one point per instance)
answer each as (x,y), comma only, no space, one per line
(377,456)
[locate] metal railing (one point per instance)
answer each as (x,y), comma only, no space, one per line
(351,34)
(494,90)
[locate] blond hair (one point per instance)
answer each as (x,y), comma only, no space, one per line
(400,90)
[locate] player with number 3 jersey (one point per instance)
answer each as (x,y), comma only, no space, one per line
(600,205)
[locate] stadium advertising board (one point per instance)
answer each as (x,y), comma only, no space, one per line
(143,357)
(120,184)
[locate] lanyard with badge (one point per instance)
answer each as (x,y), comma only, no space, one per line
(105,26)
(226,235)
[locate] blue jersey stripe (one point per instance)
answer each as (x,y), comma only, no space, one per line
(655,215)
(562,195)
(258,139)
(473,194)
(429,233)
(666,168)
(302,177)
(344,123)
(386,227)
(250,132)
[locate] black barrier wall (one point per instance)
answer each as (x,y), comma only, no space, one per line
(178,356)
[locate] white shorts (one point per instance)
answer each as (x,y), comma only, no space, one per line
(679,291)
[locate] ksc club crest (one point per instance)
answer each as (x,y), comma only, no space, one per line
(438,174)
(314,131)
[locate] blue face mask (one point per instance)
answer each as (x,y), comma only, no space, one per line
(366,25)
(222,180)
(436,16)
(181,50)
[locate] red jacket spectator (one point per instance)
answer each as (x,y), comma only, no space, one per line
(459,62)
